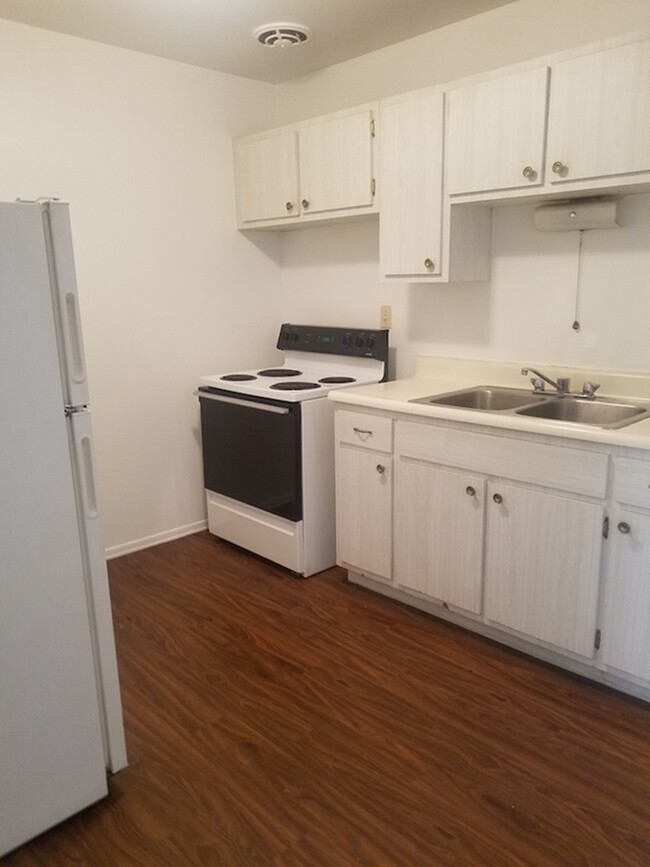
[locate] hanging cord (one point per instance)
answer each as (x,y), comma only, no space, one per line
(576,321)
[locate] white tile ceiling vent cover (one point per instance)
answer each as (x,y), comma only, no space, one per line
(281,35)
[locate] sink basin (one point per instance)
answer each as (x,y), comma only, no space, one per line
(601,413)
(485,397)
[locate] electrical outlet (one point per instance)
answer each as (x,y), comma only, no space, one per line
(385,316)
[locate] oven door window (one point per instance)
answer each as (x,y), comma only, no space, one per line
(252,451)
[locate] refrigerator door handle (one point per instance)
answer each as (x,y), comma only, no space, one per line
(76,354)
(89,491)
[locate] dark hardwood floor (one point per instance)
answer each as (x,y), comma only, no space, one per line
(290,723)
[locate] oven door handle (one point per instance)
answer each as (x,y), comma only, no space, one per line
(266,407)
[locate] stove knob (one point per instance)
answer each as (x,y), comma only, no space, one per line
(359,342)
(371,342)
(294,336)
(347,340)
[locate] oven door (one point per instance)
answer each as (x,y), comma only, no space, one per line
(252,450)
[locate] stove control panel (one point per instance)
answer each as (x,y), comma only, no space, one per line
(361,343)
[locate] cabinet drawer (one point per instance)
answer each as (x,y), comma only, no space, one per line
(365,430)
(632,482)
(551,466)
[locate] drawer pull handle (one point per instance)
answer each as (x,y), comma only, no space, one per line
(559,168)
(364,434)
(289,206)
(470,491)
(529,173)
(624,527)
(380,469)
(498,499)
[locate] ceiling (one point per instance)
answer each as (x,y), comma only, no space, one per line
(217,34)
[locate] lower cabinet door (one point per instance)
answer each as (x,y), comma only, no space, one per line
(626,618)
(439,517)
(364,504)
(542,565)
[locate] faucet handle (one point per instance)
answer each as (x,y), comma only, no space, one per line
(538,383)
(589,389)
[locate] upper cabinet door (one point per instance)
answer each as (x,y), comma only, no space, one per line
(336,165)
(267,177)
(599,119)
(495,136)
(411,186)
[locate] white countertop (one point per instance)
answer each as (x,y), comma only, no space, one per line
(442,375)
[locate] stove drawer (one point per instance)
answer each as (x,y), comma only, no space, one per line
(365,430)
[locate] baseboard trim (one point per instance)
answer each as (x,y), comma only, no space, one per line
(156,539)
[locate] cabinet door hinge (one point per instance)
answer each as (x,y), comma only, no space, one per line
(372,127)
(605,528)
(373,186)
(597,639)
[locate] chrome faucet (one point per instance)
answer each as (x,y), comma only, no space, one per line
(561,386)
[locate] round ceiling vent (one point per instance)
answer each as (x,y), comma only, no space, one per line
(281,35)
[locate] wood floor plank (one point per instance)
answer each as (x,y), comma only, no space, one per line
(291,723)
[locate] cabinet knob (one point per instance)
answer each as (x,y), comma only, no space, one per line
(430,264)
(470,491)
(559,168)
(380,468)
(529,173)
(305,203)
(289,206)
(624,528)
(497,498)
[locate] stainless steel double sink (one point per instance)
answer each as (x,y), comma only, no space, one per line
(600,412)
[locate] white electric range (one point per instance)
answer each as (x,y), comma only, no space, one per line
(268,443)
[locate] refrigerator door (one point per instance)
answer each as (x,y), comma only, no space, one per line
(51,744)
(58,238)
(99,602)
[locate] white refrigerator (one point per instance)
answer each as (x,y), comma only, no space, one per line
(61,727)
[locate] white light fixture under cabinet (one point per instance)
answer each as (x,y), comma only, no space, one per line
(577,215)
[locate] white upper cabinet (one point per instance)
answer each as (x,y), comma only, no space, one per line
(599,120)
(411,186)
(336,164)
(319,169)
(267,177)
(422,237)
(495,133)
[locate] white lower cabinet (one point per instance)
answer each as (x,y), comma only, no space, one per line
(439,520)
(364,493)
(541,543)
(626,623)
(542,565)
(626,608)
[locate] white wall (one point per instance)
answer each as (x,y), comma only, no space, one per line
(141,147)
(525,311)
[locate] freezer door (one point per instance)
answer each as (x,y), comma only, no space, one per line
(96,577)
(63,281)
(51,745)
